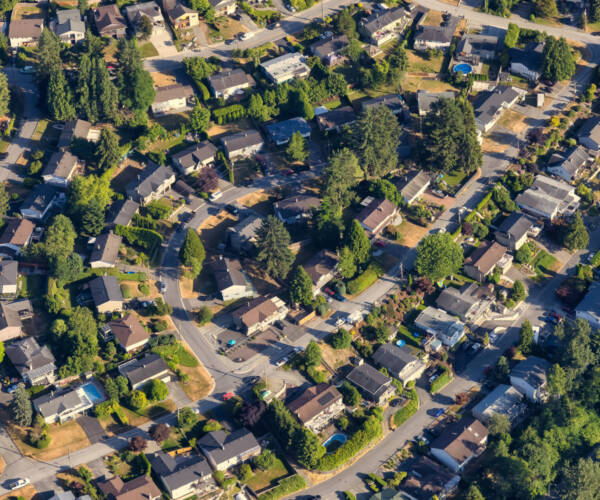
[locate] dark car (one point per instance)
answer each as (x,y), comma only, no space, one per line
(232,209)
(237,17)
(229,42)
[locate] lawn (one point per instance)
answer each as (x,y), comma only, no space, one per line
(200,383)
(39,130)
(433,18)
(32,286)
(336,357)
(263,478)
(513,121)
(26,10)
(414,83)
(420,64)
(544,264)
(404,334)
(454,178)
(148,50)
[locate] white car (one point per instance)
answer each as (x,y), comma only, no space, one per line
(247,35)
(18,483)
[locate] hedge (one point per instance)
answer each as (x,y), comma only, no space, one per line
(203,91)
(144,238)
(229,113)
(285,487)
(368,431)
(365,279)
(408,410)
(441,381)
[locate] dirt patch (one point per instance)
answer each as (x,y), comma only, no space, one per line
(336,358)
(163,79)
(27,492)
(128,171)
(26,11)
(260,201)
(446,202)
(200,384)
(433,18)
(229,128)
(411,233)
(414,83)
(229,27)
(2,465)
(513,121)
(212,230)
(489,145)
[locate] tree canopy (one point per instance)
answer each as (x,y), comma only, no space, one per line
(300,287)
(576,235)
(136,87)
(438,256)
(340,175)
(273,240)
(558,63)
(192,253)
(358,242)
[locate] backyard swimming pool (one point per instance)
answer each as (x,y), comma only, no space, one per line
(335,441)
(464,68)
(92,392)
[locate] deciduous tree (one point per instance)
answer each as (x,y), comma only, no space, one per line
(199,118)
(60,237)
(438,256)
(137,444)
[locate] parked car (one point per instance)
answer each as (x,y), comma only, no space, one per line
(339,297)
(438,412)
(12,388)
(227,396)
(232,209)
(282,362)
(18,483)
(329,291)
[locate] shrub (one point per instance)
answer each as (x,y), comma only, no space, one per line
(158,210)
(285,487)
(408,410)
(144,288)
(125,291)
(365,279)
(441,381)
(104,409)
(157,390)
(143,238)
(205,315)
(138,400)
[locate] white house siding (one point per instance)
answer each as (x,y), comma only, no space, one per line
(245,152)
(446,459)
(522,70)
(9,289)
(523,387)
(172,105)
(237,292)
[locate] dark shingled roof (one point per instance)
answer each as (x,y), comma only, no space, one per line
(228,272)
(230,78)
(148,366)
(222,447)
(178,472)
(106,248)
(328,46)
(370,380)
(394,358)
(105,289)
(533,370)
(462,439)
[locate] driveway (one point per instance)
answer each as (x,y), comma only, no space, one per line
(163,41)
(92,428)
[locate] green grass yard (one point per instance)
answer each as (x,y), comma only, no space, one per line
(264,478)
(454,178)
(148,50)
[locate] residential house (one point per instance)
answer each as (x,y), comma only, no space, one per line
(441,325)
(129,333)
(25,32)
(35,364)
(185,190)
(475,48)
(494,104)
(140,371)
(68,495)
(296,208)
(230,82)
(373,384)
(63,405)
(503,400)
(285,68)
(513,231)
(394,102)
(226,450)
(140,488)
(69,26)
(459,443)
(122,212)
(530,377)
(258,314)
(377,214)
(330,50)
(39,202)
(224,7)
(588,134)
(470,303)
(8,277)
(182,477)
(173,99)
(426,100)
(569,166)
(317,406)
(109,21)
(77,129)
(16,235)
(400,362)
(321,268)
(281,133)
(105,250)
(436,37)
(416,184)
(231,280)
(384,26)
(336,119)
(180,16)
(194,158)
(589,308)
(485,258)
(12,315)
(242,236)
(106,294)
(242,144)
(60,169)
(548,198)
(152,184)
(527,62)
(134,14)
(427,479)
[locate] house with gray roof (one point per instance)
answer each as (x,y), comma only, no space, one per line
(242,236)
(503,400)
(231,279)
(39,202)
(589,308)
(330,50)
(284,68)
(122,212)
(195,157)
(106,294)
(242,144)
(35,364)
(76,129)
(427,479)
(474,48)
(25,32)
(441,325)
(224,450)
(60,169)
(230,82)
(436,37)
(63,405)
(530,377)
(470,302)
(385,25)
(588,134)
(295,209)
(182,477)
(548,198)
(140,371)
(400,362)
(426,100)
(513,231)
(281,133)
(568,166)
(494,104)
(105,250)
(9,270)
(151,184)
(416,184)
(12,315)
(69,26)
(134,14)
(336,119)
(394,102)
(173,99)
(527,62)
(372,384)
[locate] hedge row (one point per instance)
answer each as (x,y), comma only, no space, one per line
(369,431)
(203,91)
(408,410)
(285,487)
(147,239)
(365,279)
(441,381)
(229,113)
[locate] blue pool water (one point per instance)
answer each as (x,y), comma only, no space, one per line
(92,392)
(464,68)
(336,438)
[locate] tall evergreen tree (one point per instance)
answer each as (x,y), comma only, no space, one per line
(526,338)
(4,95)
(340,175)
(558,62)
(192,252)
(300,287)
(4,200)
(576,236)
(58,98)
(107,151)
(296,150)
(273,241)
(136,87)
(49,60)
(20,406)
(358,242)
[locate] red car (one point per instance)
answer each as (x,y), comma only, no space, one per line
(554,314)
(379,244)
(227,396)
(289,172)
(329,291)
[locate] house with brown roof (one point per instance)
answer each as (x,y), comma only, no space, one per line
(105,250)
(258,314)
(173,99)
(17,235)
(129,333)
(109,21)
(180,16)
(460,443)
(60,169)
(317,406)
(427,479)
(140,488)
(195,157)
(25,32)
(77,129)
(485,258)
(377,214)
(296,208)
(231,280)
(321,268)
